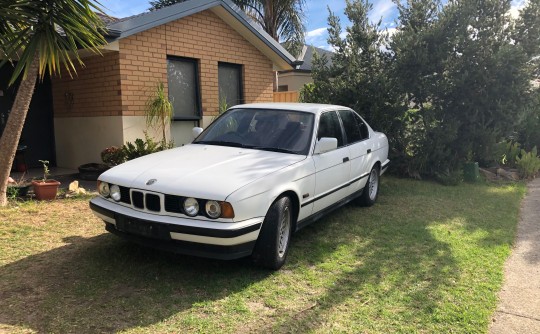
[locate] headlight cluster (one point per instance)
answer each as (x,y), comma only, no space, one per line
(112,191)
(188,205)
(213,209)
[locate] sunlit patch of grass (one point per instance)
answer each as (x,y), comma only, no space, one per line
(425,258)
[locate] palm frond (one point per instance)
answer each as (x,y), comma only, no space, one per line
(56,30)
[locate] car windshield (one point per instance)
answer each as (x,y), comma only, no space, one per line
(272,130)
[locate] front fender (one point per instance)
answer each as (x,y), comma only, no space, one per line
(255,199)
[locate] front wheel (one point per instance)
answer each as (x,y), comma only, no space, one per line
(272,245)
(371,190)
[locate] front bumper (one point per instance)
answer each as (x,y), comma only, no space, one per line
(180,235)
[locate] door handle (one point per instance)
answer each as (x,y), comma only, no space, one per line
(368,151)
(345,159)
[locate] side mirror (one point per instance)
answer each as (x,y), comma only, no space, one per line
(196,131)
(325,144)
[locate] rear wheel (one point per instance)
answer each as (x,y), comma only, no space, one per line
(371,190)
(272,245)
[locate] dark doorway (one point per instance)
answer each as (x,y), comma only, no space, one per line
(38,131)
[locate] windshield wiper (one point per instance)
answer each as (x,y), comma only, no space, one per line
(273,149)
(220,143)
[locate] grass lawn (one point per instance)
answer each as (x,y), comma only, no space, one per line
(426,258)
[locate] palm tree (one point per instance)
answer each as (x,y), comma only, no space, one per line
(41,36)
(281,19)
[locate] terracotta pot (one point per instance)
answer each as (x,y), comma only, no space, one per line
(45,191)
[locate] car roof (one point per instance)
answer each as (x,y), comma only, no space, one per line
(305,107)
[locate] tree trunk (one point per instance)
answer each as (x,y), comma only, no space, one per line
(12,132)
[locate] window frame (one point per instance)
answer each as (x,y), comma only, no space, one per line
(357,119)
(343,135)
(240,67)
(198,99)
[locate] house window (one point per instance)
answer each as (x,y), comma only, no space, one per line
(183,80)
(230,84)
(283,88)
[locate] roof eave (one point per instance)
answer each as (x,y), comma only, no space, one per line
(226,10)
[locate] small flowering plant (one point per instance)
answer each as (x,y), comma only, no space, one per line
(113,156)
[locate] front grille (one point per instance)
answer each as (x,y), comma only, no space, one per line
(174,203)
(153,202)
(138,199)
(124,195)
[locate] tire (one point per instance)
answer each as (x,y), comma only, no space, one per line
(272,245)
(371,190)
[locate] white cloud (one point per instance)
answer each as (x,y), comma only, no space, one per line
(316,32)
(517,5)
(381,9)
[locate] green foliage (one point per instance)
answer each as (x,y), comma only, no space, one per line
(53,31)
(113,156)
(450,177)
(142,147)
(46,171)
(528,163)
(452,82)
(511,153)
(159,110)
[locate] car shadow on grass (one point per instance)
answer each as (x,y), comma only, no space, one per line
(105,284)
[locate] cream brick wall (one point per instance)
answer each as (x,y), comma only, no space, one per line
(93,91)
(119,83)
(203,36)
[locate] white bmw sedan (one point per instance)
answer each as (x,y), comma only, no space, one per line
(257,174)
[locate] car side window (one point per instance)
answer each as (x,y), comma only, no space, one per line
(351,126)
(329,126)
(364,132)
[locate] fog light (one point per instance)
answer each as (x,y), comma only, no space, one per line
(115,192)
(213,209)
(191,207)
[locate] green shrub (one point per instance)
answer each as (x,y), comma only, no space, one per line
(511,153)
(116,155)
(113,156)
(142,147)
(450,177)
(528,163)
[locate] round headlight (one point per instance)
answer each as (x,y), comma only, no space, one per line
(104,189)
(213,209)
(115,192)
(191,206)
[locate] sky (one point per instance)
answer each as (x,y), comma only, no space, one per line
(316,15)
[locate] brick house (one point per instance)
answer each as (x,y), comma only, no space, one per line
(199,49)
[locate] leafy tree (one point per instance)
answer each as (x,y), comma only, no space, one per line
(358,76)
(281,19)
(41,36)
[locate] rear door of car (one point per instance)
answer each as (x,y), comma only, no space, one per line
(357,140)
(332,168)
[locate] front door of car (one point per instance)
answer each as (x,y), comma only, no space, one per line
(332,168)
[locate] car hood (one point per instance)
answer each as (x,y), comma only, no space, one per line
(202,171)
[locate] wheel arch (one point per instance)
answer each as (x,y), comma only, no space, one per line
(293,196)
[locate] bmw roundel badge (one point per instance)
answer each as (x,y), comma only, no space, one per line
(151,182)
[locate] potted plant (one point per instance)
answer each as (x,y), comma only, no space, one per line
(45,189)
(18,188)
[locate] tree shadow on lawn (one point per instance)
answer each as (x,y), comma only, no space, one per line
(400,270)
(105,284)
